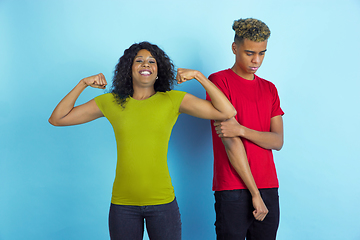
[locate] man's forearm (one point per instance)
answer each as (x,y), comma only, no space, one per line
(238,159)
(267,140)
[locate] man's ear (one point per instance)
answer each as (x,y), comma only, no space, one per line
(234,47)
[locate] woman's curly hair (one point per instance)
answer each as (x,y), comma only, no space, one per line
(122,86)
(252,29)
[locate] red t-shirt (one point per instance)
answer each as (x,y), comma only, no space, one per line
(256,102)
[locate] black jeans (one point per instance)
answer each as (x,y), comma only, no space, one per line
(162,222)
(235,220)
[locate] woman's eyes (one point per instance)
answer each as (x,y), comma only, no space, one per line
(140,61)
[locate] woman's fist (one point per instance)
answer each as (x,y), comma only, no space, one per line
(96,81)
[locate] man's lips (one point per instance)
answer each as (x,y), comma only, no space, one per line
(254,68)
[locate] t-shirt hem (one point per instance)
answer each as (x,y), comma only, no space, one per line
(150,203)
(240,187)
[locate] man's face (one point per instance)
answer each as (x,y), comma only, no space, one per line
(249,56)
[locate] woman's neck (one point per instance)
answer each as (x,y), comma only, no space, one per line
(143,93)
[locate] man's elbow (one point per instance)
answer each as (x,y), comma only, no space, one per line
(279,145)
(277,148)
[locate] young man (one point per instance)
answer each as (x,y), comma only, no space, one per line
(245,180)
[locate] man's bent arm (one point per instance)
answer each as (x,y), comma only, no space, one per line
(268,140)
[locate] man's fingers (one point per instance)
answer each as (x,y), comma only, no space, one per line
(260,215)
(256,215)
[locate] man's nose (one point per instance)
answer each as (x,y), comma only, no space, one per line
(256,58)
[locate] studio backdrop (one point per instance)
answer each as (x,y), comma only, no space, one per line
(56,182)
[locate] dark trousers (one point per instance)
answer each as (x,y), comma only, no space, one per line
(235,220)
(162,222)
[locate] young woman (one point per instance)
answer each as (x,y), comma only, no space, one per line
(143,109)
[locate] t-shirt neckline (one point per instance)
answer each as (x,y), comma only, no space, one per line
(156,93)
(243,79)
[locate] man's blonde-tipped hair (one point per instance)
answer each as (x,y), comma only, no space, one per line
(252,29)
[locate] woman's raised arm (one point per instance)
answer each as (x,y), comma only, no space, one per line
(65,114)
(218,109)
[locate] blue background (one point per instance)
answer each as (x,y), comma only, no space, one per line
(55,183)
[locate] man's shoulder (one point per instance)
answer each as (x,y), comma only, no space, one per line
(222,73)
(265,82)
(221,77)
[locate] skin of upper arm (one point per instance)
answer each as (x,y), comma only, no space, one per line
(200,108)
(80,114)
(276,126)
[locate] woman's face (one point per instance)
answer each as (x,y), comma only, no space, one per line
(144,69)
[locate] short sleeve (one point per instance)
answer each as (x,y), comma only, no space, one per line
(102,102)
(176,98)
(276,109)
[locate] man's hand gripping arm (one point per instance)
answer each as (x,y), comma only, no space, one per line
(268,140)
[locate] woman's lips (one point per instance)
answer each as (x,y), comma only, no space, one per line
(145,72)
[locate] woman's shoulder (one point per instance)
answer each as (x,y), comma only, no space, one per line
(174,93)
(105,99)
(105,96)
(174,96)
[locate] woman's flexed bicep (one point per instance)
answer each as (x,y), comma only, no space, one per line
(219,108)
(66,114)
(80,114)
(201,108)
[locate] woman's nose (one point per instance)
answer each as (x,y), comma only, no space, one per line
(145,64)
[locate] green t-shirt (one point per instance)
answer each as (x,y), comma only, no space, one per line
(142,131)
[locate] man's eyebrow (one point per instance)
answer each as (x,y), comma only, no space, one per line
(249,51)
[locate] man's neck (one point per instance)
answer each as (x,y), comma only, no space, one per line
(249,76)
